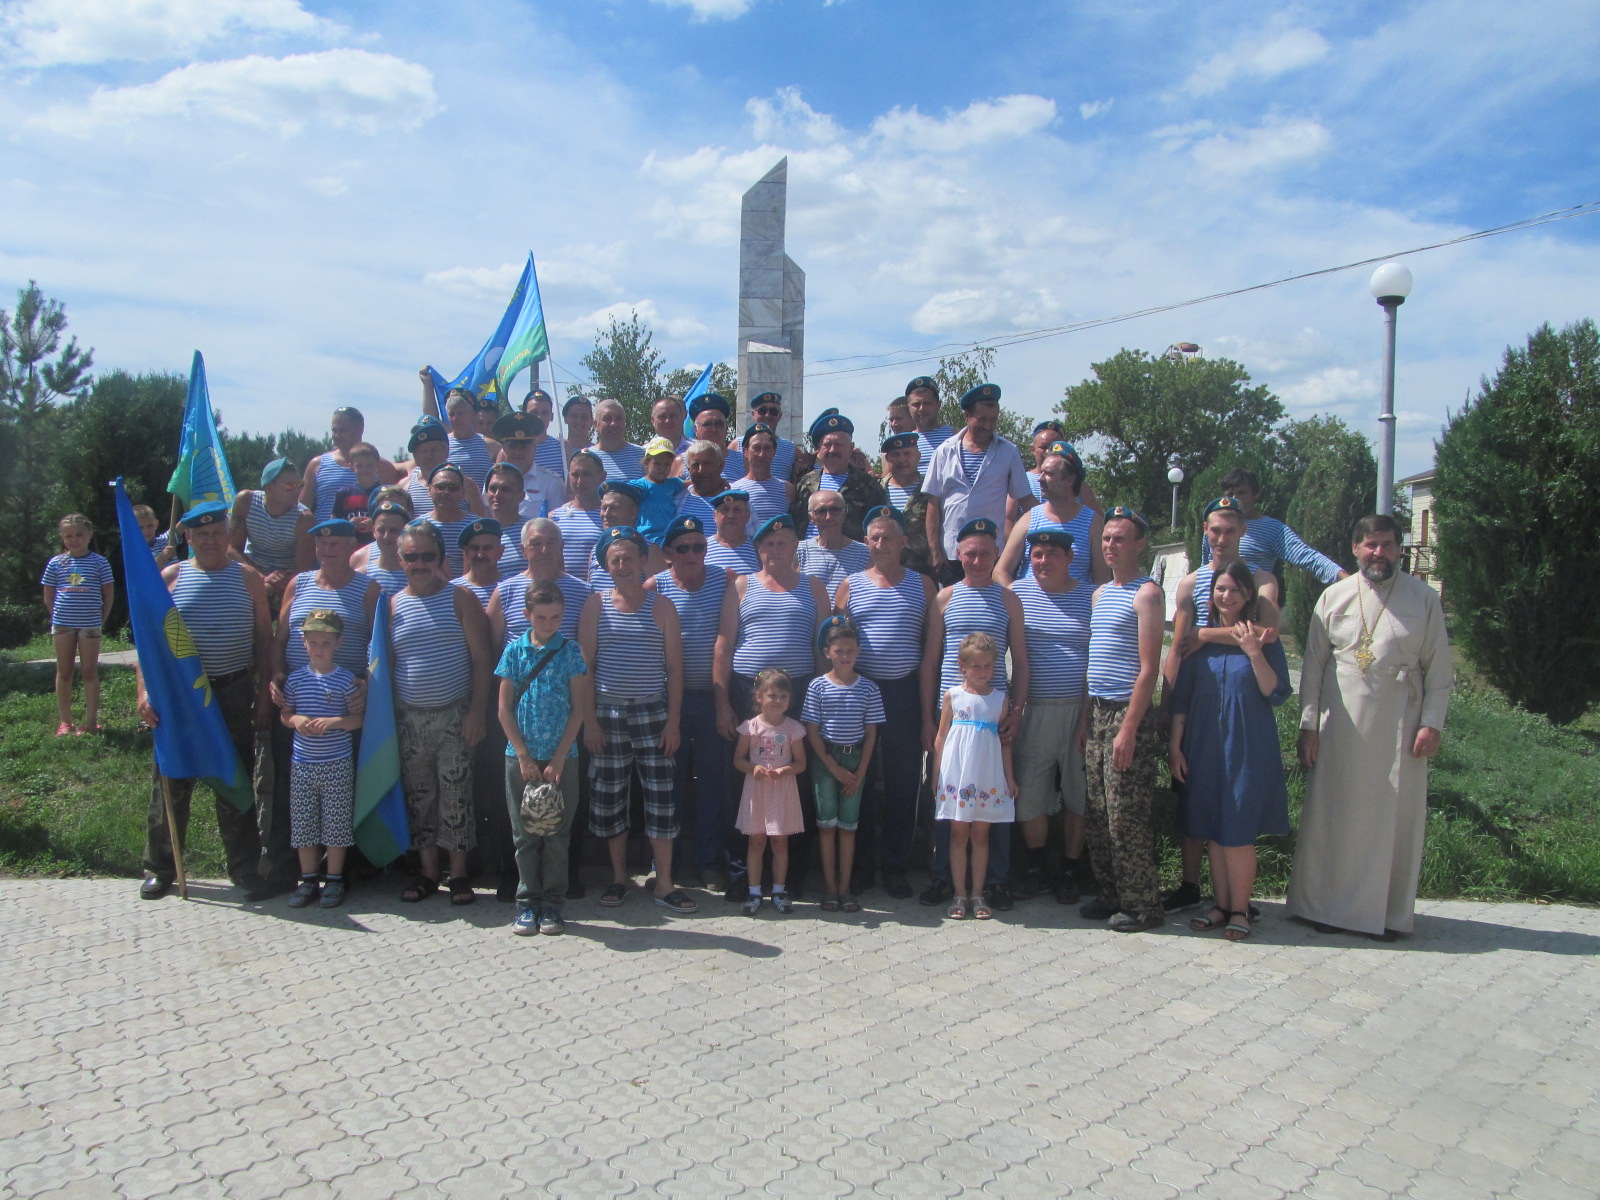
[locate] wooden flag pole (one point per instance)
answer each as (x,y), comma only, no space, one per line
(172,834)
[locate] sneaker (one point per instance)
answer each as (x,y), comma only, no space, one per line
(332,894)
(1028,883)
(1185,895)
(304,893)
(752,905)
(999,897)
(782,903)
(937,893)
(550,921)
(527,921)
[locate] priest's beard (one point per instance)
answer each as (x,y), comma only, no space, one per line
(1378,572)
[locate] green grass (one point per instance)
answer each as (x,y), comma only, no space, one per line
(44,647)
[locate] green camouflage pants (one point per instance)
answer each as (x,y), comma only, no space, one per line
(1122,841)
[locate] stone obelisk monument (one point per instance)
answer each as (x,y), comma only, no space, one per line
(772,304)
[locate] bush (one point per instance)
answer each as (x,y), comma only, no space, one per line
(20,623)
(1517,497)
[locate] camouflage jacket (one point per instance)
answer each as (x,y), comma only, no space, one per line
(861,492)
(916,555)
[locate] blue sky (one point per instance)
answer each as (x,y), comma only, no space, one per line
(322,198)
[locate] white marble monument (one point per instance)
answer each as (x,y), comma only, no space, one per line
(772,301)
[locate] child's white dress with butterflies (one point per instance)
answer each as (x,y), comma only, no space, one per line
(972,773)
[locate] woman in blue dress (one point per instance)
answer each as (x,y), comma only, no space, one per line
(1224,749)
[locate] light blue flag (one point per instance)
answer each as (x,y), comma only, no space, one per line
(191,738)
(478,375)
(382,831)
(529,343)
(700,388)
(202,472)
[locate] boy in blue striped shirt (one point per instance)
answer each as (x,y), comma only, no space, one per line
(322,770)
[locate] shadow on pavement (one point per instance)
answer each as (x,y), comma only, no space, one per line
(632,939)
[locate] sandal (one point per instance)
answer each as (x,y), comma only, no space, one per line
(613,894)
(63,730)
(958,909)
(981,909)
(849,904)
(1207,923)
(419,888)
(830,903)
(1235,931)
(461,892)
(678,902)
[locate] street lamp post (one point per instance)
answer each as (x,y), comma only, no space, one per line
(1390,284)
(1174,477)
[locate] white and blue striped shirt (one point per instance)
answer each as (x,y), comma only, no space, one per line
(741,559)
(311,694)
(974,610)
(699,615)
(776,629)
(623,464)
(768,498)
(417,489)
(78,583)
(454,556)
(389,581)
(220,615)
(842,713)
(432,667)
(514,604)
(471,454)
(971,461)
(900,497)
(269,540)
(1268,541)
(550,455)
(512,561)
(1083,554)
(630,651)
(1114,641)
(1057,624)
(580,530)
(832,566)
(928,442)
(350,602)
(892,621)
(332,478)
(1201,596)
(483,592)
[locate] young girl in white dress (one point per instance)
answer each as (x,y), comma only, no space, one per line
(976,785)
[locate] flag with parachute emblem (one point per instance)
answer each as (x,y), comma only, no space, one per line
(528,343)
(202,473)
(382,831)
(478,376)
(699,388)
(191,737)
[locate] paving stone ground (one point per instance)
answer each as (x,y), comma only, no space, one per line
(219,1049)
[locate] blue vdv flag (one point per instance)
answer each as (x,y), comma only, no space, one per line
(700,388)
(202,473)
(478,375)
(191,737)
(382,831)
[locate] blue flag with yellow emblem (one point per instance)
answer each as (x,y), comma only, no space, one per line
(382,831)
(699,388)
(478,376)
(202,472)
(191,737)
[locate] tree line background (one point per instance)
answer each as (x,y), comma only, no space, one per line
(1517,493)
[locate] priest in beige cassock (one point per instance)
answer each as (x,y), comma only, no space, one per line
(1374,689)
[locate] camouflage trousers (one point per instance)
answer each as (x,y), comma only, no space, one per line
(436,775)
(1122,841)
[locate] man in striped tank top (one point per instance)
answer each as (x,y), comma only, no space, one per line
(223,604)
(922,398)
(1224,524)
(767,409)
(270,527)
(731,549)
(975,603)
(621,458)
(332,470)
(971,476)
(1061,478)
(548,450)
(1122,745)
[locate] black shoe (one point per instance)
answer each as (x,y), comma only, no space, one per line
(1028,883)
(738,889)
(1097,910)
(999,897)
(863,883)
(507,891)
(575,889)
(1185,895)
(154,887)
(1067,890)
(898,887)
(937,893)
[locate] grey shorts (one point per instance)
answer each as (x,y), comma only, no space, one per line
(1047,761)
(92,632)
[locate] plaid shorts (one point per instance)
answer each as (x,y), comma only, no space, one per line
(632,733)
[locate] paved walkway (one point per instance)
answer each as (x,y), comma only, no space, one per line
(213,1049)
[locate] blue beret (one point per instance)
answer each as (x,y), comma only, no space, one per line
(575,401)
(1050,537)
(898,441)
(710,400)
(623,488)
(389,506)
(830,421)
(336,527)
(590,455)
(207,513)
(1052,426)
(681,526)
(758,427)
(722,498)
(1227,504)
(422,527)
(482,525)
(838,624)
(618,533)
(488,402)
(764,397)
(978,525)
(1065,449)
(447,466)
(983,393)
(540,394)
(429,429)
(275,468)
(772,524)
(884,510)
(920,383)
(518,427)
(1121,512)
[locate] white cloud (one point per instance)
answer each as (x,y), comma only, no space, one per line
(788,114)
(1091,109)
(1262,57)
(1329,389)
(981,122)
(345,89)
(45,33)
(1276,143)
(704,10)
(584,328)
(328,185)
(477,283)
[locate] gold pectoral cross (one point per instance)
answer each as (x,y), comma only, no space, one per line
(1363,655)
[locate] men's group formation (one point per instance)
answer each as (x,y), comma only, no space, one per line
(580,624)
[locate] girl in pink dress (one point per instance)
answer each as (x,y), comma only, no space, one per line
(771,753)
